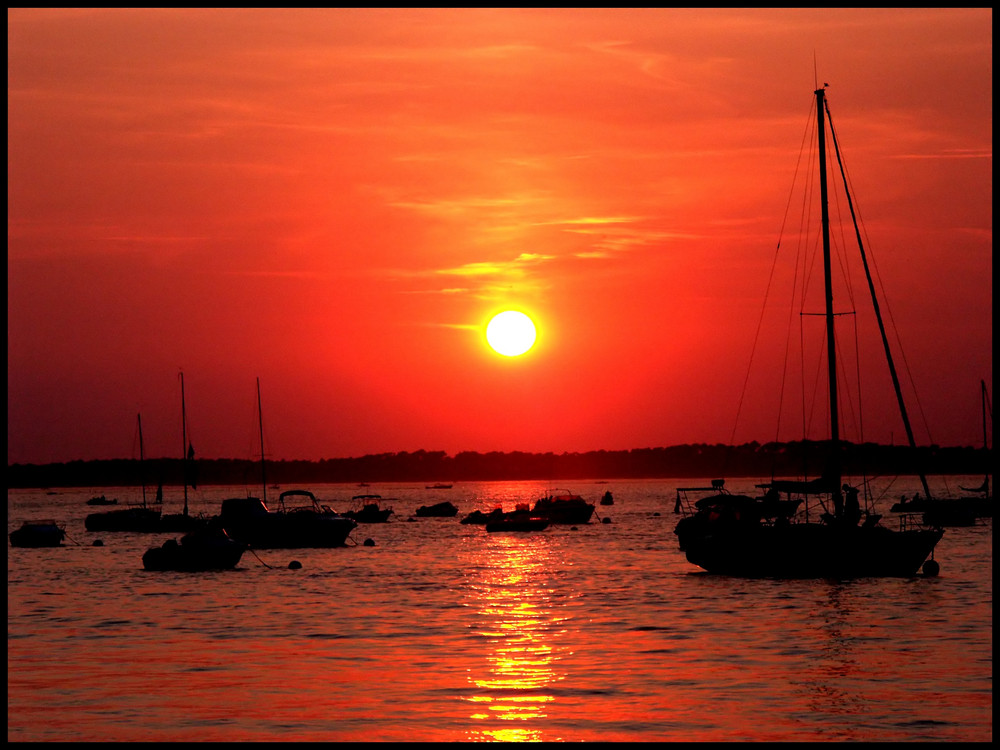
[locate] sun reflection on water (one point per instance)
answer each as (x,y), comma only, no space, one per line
(511,593)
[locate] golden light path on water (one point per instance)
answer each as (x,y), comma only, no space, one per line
(516,622)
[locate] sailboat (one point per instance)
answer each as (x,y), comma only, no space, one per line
(737,539)
(967,509)
(249,520)
(183,521)
(139,518)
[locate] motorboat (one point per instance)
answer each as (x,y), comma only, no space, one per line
(368,509)
(249,520)
(563,506)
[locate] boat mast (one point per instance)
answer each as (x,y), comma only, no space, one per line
(142,476)
(184,448)
(878,313)
(833,470)
(260,425)
(986,443)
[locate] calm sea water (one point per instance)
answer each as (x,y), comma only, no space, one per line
(444,632)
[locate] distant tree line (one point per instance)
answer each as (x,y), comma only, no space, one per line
(805,458)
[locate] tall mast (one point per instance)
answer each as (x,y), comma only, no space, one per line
(142,475)
(260,424)
(184,448)
(986,442)
(833,470)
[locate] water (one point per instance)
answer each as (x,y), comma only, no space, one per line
(444,632)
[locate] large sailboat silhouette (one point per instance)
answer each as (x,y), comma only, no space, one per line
(765,537)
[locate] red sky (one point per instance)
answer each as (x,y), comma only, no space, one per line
(335,201)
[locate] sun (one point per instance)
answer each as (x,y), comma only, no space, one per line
(510,333)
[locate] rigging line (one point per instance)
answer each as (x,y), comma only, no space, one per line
(875,303)
(774,262)
(869,256)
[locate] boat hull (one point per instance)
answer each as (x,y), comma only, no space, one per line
(533,524)
(143,520)
(565,510)
(37,535)
(812,550)
(201,550)
(440,510)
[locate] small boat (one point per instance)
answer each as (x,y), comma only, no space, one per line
(728,536)
(102,500)
(438,510)
(368,509)
(38,534)
(208,548)
(563,506)
(607,498)
(519,519)
(479,518)
(438,487)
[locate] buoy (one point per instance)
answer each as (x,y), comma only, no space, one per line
(931,568)
(98,543)
(605,520)
(369,542)
(294,565)
(572,528)
(656,513)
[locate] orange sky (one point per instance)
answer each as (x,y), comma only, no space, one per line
(335,202)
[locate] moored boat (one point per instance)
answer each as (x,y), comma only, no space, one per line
(728,536)
(137,518)
(368,509)
(208,548)
(102,500)
(38,534)
(438,510)
(563,506)
(249,520)
(309,524)
(479,518)
(519,519)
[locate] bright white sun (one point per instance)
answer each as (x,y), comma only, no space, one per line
(510,333)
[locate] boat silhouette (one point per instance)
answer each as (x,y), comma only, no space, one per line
(731,535)
(308,524)
(38,534)
(136,518)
